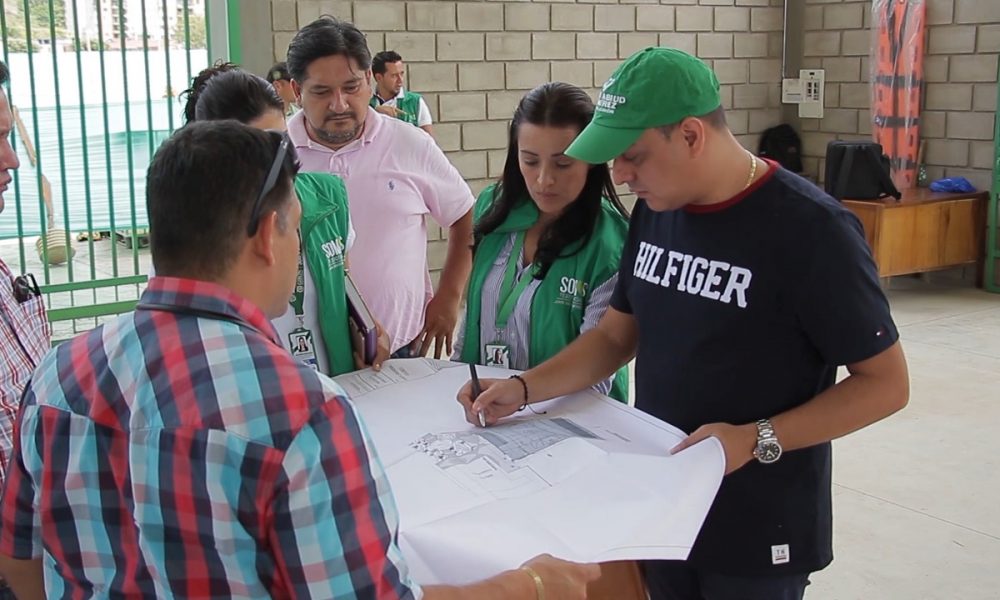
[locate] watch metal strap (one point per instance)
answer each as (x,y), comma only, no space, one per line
(765,430)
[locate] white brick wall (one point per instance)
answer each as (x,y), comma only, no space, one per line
(473,60)
(960,70)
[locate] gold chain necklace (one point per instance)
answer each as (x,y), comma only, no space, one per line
(753,170)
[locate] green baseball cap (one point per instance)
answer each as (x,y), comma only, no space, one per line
(652,88)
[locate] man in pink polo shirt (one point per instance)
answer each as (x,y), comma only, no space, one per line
(395,176)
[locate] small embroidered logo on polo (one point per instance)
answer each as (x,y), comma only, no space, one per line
(392,185)
(779,554)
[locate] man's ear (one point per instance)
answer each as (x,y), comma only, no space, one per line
(693,133)
(297,90)
(262,243)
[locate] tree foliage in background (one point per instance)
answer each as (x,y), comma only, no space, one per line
(41,33)
(196,28)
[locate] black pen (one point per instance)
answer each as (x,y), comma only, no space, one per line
(476,390)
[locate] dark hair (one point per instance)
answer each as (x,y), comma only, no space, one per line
(238,95)
(278,72)
(200,189)
(326,36)
(715,119)
(555,105)
(383,58)
(198,84)
(4,72)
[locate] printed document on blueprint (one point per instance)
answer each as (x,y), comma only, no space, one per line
(589,480)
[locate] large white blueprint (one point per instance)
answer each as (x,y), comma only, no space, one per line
(591,480)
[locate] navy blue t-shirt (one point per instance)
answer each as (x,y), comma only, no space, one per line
(745,310)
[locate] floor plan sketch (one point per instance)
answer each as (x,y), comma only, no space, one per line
(476,500)
(492,461)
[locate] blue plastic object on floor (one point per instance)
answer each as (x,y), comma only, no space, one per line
(952,184)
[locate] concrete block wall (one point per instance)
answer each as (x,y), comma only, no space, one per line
(473,60)
(960,94)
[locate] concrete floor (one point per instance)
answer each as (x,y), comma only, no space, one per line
(916,497)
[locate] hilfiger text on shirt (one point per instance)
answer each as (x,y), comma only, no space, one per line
(712,279)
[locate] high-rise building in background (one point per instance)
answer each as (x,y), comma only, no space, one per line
(132,19)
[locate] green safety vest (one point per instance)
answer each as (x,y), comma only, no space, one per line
(325,219)
(408,104)
(558,305)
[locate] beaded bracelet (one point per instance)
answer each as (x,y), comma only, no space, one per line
(524,385)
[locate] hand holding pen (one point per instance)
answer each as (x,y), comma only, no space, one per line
(486,401)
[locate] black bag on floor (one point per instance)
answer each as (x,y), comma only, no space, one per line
(858,171)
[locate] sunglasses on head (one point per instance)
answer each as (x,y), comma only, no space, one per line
(269,183)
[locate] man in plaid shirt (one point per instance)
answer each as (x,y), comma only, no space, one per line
(24,330)
(180,451)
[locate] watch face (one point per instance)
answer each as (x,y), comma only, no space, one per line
(768,451)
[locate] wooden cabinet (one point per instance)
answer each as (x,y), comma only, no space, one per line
(925,231)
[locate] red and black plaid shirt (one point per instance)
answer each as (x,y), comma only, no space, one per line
(24,339)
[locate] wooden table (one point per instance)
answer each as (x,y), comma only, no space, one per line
(926,231)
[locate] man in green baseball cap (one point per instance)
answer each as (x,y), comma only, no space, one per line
(664,104)
(750,287)
(632,101)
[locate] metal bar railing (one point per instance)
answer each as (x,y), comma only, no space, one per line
(128,125)
(107,143)
(94,198)
(43,215)
(86,153)
(170,90)
(62,144)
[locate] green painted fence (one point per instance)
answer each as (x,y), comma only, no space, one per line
(94,86)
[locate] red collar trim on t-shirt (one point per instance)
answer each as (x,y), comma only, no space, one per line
(719,206)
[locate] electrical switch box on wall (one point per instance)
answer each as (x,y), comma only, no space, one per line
(791,91)
(813,82)
(807,91)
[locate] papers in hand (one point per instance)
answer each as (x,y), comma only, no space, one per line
(592,480)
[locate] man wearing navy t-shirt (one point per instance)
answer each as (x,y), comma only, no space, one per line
(742,288)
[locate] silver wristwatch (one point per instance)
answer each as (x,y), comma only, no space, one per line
(768,449)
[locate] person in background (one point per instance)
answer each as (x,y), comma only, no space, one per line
(391,98)
(278,77)
(742,289)
(315,326)
(198,82)
(396,177)
(185,452)
(548,241)
(24,328)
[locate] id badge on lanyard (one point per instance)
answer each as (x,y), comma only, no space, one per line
(497,353)
(301,342)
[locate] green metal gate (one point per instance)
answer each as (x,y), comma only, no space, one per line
(94,87)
